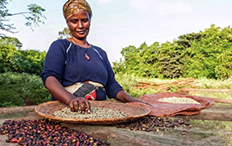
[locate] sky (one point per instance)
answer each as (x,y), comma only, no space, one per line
(116,24)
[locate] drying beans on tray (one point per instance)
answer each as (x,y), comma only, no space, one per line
(96,113)
(154,124)
(179,100)
(45,132)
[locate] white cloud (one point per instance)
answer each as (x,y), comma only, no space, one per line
(104,1)
(162,7)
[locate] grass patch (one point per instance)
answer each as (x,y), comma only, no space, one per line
(128,80)
(25,89)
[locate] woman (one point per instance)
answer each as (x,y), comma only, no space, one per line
(75,71)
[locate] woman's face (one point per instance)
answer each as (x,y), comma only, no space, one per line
(79,24)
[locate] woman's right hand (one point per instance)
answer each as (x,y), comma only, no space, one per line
(58,91)
(81,102)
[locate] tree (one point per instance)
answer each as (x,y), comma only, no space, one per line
(65,33)
(196,55)
(34,16)
(205,52)
(4,40)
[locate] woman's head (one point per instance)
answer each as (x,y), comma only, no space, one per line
(78,16)
(73,6)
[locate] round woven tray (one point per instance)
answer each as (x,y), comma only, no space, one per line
(133,112)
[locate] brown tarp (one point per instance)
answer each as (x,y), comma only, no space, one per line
(165,109)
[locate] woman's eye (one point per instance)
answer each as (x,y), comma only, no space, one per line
(85,20)
(74,21)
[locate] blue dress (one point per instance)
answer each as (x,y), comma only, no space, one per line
(67,63)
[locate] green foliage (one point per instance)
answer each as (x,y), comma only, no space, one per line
(128,80)
(28,61)
(139,61)
(224,69)
(119,67)
(147,59)
(34,15)
(204,54)
(170,60)
(4,40)
(6,51)
(20,89)
(65,33)
(131,58)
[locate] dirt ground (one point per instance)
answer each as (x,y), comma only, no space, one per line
(202,132)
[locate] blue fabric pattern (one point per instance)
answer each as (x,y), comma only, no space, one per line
(67,63)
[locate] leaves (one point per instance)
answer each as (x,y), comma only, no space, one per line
(11,41)
(204,54)
(34,15)
(19,89)
(13,60)
(224,69)
(65,33)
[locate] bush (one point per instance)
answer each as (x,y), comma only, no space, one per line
(9,98)
(21,89)
(195,55)
(27,61)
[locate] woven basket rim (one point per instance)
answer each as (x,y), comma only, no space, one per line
(145,111)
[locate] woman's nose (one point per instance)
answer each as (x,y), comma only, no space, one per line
(80,24)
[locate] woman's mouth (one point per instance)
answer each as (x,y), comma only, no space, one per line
(81,32)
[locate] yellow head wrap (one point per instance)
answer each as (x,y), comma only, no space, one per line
(73,6)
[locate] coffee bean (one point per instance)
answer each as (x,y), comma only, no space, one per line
(154,124)
(96,113)
(45,132)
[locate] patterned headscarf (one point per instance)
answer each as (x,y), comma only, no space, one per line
(73,6)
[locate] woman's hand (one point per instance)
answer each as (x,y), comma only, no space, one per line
(81,102)
(58,91)
(125,97)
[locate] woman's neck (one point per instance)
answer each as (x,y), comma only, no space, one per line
(81,43)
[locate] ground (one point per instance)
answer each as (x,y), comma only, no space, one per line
(202,132)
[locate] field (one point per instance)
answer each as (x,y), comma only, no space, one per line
(25,89)
(136,86)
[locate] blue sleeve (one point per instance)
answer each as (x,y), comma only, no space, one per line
(112,86)
(54,61)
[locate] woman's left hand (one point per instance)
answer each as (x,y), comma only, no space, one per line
(123,96)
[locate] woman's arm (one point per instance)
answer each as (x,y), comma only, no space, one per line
(124,97)
(58,92)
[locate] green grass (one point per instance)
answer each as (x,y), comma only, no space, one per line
(215,84)
(127,81)
(25,89)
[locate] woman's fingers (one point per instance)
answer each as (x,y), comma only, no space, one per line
(76,105)
(83,103)
(88,106)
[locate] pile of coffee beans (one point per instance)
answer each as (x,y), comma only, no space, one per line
(179,100)
(154,124)
(96,113)
(45,132)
